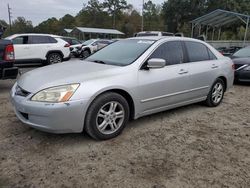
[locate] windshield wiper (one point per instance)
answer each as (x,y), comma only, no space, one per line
(98,61)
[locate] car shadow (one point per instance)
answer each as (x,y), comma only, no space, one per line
(242,83)
(76,138)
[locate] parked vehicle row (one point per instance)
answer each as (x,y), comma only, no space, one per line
(44,48)
(158,33)
(126,80)
(228,51)
(86,48)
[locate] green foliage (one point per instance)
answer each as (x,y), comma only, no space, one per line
(114,8)
(20,25)
(177,13)
(51,26)
(152,17)
(173,16)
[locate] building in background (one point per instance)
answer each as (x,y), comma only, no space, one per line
(85,33)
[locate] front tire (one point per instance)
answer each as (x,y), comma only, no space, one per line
(54,58)
(85,54)
(107,116)
(216,93)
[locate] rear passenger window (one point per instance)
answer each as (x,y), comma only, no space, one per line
(41,40)
(170,51)
(52,40)
(211,55)
(38,40)
(197,51)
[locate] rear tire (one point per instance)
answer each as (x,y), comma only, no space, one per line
(54,58)
(216,93)
(107,116)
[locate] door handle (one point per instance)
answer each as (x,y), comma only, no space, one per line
(182,71)
(214,66)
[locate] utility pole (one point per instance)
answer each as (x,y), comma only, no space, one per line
(142,18)
(9,12)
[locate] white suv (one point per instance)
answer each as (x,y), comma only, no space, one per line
(45,48)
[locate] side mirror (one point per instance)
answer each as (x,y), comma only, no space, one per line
(156,63)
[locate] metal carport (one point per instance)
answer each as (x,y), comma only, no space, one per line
(217,19)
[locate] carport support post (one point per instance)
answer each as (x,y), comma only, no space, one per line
(219,33)
(213,34)
(192,32)
(245,37)
(207,32)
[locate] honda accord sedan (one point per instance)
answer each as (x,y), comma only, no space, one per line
(126,80)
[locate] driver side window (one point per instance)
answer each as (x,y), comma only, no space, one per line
(170,51)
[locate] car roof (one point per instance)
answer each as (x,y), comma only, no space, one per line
(68,37)
(34,34)
(166,38)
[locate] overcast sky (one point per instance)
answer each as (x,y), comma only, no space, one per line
(40,10)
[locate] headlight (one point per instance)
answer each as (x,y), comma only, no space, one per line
(247,68)
(56,94)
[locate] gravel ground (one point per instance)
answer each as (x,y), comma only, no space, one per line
(193,146)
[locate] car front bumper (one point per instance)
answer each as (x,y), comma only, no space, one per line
(67,58)
(65,117)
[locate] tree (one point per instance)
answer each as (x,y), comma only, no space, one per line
(178,12)
(19,25)
(67,21)
(114,7)
(92,15)
(152,17)
(52,26)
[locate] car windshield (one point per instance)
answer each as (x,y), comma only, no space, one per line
(121,53)
(245,52)
(88,42)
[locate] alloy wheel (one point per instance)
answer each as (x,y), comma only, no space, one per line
(217,93)
(110,117)
(54,58)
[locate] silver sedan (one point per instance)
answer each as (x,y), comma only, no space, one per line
(126,80)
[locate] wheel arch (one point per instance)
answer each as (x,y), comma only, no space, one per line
(120,91)
(87,48)
(54,51)
(224,79)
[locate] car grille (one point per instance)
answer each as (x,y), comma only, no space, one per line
(21,92)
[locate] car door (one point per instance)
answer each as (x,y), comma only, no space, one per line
(39,46)
(21,48)
(164,87)
(203,68)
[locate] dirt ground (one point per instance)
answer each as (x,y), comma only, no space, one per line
(193,146)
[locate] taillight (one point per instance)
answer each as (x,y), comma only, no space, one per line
(9,54)
(233,66)
(67,45)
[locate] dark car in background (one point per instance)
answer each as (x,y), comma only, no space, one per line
(7,57)
(75,45)
(241,61)
(228,51)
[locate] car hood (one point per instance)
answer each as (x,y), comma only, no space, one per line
(65,73)
(244,60)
